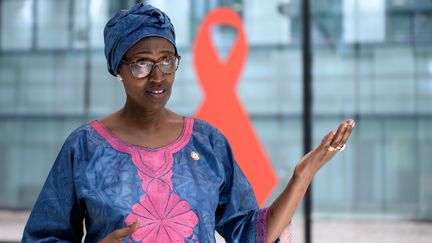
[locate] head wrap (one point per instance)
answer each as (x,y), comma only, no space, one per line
(127,27)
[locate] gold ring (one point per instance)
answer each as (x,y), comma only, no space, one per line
(331,149)
(341,148)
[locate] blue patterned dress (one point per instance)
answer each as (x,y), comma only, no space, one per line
(181,192)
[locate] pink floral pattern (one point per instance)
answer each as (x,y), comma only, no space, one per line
(163,216)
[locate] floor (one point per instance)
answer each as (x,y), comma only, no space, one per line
(360,231)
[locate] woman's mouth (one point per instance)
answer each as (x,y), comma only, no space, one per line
(157,93)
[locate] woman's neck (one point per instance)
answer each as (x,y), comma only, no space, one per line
(143,119)
(145,128)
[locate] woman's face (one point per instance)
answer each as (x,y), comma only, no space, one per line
(153,91)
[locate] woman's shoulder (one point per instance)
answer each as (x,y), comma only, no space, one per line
(83,134)
(80,132)
(205,128)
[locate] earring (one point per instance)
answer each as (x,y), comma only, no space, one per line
(119,77)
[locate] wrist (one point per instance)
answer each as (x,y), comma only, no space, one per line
(303,172)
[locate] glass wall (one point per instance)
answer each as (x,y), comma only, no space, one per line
(372,62)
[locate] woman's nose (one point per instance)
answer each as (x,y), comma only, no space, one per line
(156,74)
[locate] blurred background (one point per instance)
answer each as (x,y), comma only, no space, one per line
(372,61)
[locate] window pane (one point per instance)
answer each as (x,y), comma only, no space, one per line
(16,24)
(52,26)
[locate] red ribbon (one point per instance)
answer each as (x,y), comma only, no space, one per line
(221,106)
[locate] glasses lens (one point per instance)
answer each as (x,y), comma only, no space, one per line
(141,69)
(169,65)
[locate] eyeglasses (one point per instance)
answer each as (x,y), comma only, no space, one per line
(142,68)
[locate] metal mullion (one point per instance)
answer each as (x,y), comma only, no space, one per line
(71,24)
(35,19)
(307,109)
(1,29)
(87,67)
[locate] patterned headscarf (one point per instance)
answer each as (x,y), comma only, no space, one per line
(127,27)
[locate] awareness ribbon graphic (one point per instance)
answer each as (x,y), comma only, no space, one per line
(221,106)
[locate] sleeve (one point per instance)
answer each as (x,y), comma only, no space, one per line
(238,217)
(57,215)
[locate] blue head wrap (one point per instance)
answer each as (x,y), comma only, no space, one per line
(127,27)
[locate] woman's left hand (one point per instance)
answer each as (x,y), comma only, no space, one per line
(118,235)
(330,145)
(283,208)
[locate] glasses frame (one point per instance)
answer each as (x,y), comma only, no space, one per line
(155,63)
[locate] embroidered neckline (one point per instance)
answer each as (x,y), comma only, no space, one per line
(124,146)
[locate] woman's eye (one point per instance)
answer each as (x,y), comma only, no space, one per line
(167,61)
(143,63)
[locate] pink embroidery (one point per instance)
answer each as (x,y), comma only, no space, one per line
(261,225)
(261,228)
(163,215)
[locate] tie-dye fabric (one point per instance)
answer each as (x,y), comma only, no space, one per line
(182,192)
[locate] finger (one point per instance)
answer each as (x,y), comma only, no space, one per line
(126,231)
(339,134)
(329,150)
(347,132)
(326,141)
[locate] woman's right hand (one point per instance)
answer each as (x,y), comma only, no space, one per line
(120,234)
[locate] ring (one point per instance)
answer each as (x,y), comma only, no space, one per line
(331,149)
(341,148)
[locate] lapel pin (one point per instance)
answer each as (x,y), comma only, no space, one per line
(195,155)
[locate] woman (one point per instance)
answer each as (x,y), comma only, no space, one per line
(147,174)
